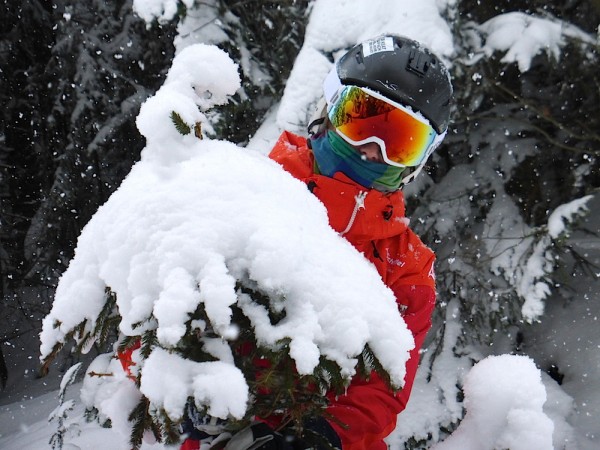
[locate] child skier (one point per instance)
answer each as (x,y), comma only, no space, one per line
(386,108)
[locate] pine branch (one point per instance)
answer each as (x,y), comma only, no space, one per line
(45,368)
(369,363)
(170,429)
(105,325)
(60,414)
(141,420)
(90,414)
(127,342)
(149,341)
(180,125)
(84,338)
(329,377)
(108,320)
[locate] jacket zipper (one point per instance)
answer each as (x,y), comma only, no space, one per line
(360,204)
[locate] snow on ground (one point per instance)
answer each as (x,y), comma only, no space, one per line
(25,426)
(504,397)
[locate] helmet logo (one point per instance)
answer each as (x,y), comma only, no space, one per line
(390,86)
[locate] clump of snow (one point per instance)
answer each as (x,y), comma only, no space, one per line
(107,388)
(217,384)
(201,77)
(191,219)
(566,213)
(504,398)
(523,36)
(162,10)
(205,74)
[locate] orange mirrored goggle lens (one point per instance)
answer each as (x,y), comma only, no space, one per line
(360,117)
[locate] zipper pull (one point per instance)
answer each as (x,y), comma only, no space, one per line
(360,204)
(360,200)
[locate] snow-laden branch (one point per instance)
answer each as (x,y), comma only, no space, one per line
(522,36)
(192,221)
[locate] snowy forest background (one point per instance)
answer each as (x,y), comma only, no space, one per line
(522,152)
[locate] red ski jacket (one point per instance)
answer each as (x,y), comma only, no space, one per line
(374,223)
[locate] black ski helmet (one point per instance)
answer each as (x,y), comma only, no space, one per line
(403,71)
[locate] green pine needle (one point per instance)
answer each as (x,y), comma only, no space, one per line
(182,127)
(139,418)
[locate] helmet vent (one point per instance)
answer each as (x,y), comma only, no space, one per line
(418,63)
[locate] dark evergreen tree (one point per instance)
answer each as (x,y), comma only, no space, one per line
(26,39)
(26,165)
(104,64)
(72,77)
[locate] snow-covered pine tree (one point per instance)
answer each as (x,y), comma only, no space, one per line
(507,187)
(218,302)
(61,412)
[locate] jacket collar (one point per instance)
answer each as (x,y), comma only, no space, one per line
(374,215)
(358,213)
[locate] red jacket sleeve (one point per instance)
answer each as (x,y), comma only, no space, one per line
(367,413)
(420,303)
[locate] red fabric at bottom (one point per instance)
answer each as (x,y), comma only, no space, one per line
(190,444)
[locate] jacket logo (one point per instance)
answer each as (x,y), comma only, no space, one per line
(393,261)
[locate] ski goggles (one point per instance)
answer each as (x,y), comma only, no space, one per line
(361,115)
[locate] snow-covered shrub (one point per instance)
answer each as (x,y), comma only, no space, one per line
(208,258)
